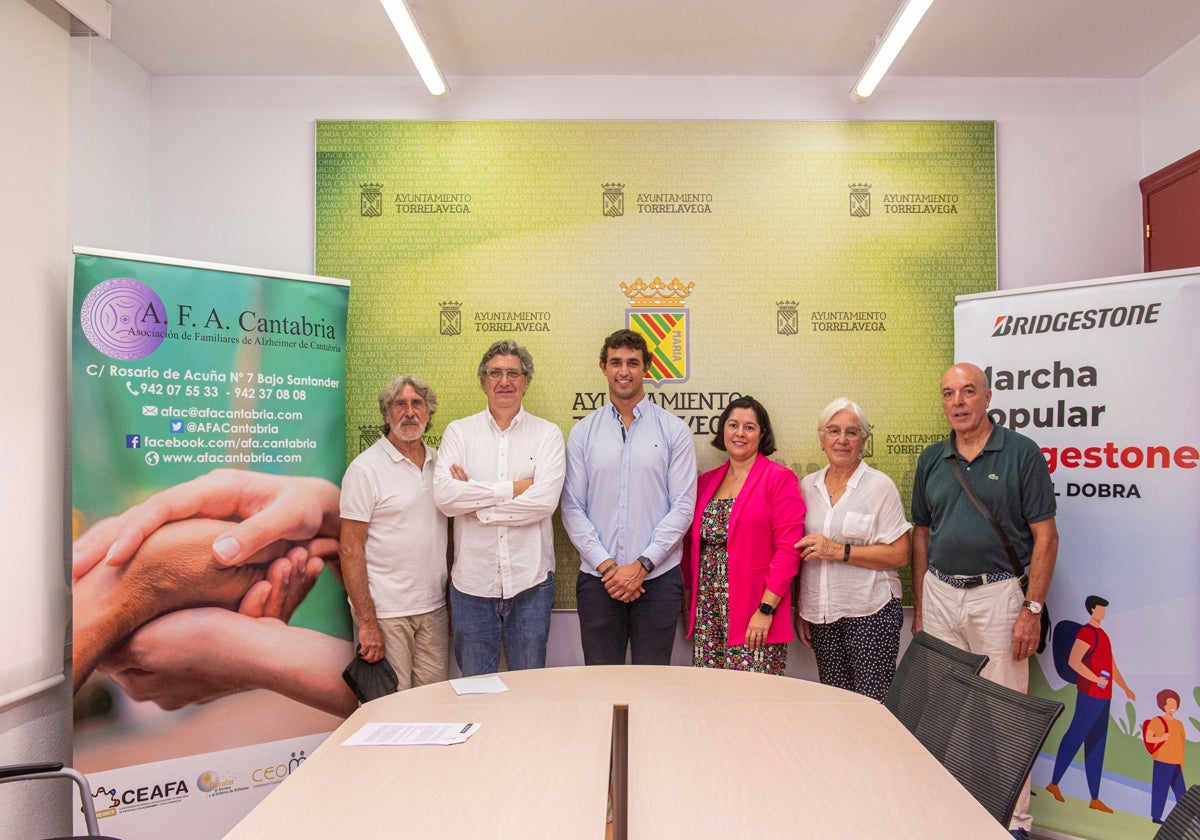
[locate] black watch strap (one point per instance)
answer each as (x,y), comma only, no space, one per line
(766,609)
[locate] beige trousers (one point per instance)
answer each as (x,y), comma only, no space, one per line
(418,647)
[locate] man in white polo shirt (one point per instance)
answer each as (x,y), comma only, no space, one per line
(393,541)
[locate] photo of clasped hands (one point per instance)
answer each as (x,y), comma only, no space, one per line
(186,596)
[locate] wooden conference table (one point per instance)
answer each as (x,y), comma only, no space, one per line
(698,754)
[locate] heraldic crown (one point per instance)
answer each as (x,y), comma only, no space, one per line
(657,293)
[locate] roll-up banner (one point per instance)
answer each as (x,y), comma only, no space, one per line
(207,446)
(1103,375)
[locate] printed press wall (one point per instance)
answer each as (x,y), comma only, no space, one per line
(794,261)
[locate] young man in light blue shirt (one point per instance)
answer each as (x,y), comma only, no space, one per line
(628,499)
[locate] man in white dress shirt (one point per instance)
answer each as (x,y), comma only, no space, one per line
(499,473)
(393,541)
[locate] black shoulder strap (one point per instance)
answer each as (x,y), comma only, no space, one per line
(987,514)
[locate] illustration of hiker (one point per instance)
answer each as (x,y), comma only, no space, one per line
(1165,739)
(1092,661)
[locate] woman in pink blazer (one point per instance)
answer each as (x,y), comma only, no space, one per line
(739,555)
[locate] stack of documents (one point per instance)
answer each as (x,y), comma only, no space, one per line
(411,734)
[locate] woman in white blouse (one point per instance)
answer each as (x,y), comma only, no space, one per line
(857,537)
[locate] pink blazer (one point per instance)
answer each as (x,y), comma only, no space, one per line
(766,523)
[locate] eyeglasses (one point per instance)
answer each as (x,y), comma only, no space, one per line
(496,374)
(835,432)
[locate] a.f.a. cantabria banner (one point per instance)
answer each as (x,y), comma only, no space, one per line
(207,406)
(794,261)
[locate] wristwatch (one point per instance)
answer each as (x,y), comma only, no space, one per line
(1033,606)
(647,563)
(766,609)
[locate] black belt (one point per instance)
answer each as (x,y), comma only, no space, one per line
(970,581)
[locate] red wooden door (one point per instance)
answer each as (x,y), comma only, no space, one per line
(1171,214)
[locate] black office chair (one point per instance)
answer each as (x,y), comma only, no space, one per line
(55,770)
(987,736)
(921,671)
(1183,823)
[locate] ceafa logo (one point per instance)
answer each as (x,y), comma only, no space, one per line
(105,801)
(614,200)
(860,200)
(658,315)
(109,801)
(124,319)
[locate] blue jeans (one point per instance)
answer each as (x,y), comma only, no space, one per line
(607,627)
(521,624)
(1166,777)
(1089,728)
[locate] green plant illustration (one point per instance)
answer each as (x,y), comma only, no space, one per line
(1129,726)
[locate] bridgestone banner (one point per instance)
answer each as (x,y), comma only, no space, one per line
(1103,375)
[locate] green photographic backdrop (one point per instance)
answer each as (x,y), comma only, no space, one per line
(814,260)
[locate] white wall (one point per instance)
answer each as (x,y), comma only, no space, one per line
(33,235)
(1171,109)
(111,139)
(233,157)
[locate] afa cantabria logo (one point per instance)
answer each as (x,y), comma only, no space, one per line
(124,319)
(658,314)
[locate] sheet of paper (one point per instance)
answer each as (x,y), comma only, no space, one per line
(478,685)
(410,734)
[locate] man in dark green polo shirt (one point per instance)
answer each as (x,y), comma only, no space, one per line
(965,589)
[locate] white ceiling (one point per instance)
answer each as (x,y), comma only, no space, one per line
(1033,38)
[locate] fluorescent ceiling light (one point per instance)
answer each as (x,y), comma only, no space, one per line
(889,47)
(414,42)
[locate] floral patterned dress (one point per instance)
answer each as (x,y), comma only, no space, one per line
(709,648)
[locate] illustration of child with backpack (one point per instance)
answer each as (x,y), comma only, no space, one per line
(1165,738)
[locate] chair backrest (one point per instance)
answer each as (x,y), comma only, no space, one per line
(920,673)
(987,736)
(1183,823)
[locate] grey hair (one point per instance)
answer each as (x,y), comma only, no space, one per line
(394,387)
(844,404)
(507,348)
